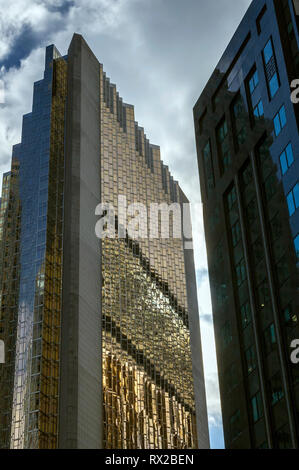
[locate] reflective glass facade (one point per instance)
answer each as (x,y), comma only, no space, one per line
(149,377)
(147,367)
(251,225)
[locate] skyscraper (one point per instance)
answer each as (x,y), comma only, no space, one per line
(102,335)
(247,142)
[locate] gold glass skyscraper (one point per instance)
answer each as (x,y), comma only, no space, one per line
(102,335)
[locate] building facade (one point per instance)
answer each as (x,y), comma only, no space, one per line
(248,155)
(102,335)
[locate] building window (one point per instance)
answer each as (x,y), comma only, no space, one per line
(241,272)
(276,227)
(236,233)
(256,407)
(247,176)
(263,293)
(226,334)
(257,251)
(260,18)
(238,107)
(231,198)
(253,81)
(268,51)
(273,85)
(276,389)
(241,137)
(282,270)
(293,199)
(280,121)
(296,244)
(207,155)
(270,186)
(245,315)
(271,69)
(251,211)
(235,425)
(238,115)
(286,159)
(250,359)
(201,121)
(290,318)
(270,339)
(258,110)
(231,377)
(283,438)
(223,145)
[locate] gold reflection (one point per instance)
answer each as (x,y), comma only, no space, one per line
(147,370)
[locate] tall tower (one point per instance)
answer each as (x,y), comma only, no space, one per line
(248,147)
(103,334)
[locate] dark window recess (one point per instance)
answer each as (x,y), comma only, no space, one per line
(245,315)
(260,19)
(164,177)
(241,272)
(282,438)
(209,171)
(235,425)
(250,356)
(276,389)
(231,198)
(296,245)
(236,233)
(223,145)
(257,407)
(226,334)
(269,337)
(231,377)
(201,121)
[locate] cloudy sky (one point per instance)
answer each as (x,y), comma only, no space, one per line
(160,53)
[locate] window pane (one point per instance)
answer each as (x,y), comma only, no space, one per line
(291,204)
(270,338)
(253,82)
(254,409)
(289,153)
(235,425)
(296,195)
(274,85)
(261,108)
(277,125)
(250,359)
(282,115)
(268,51)
(283,163)
(296,243)
(246,312)
(257,409)
(276,389)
